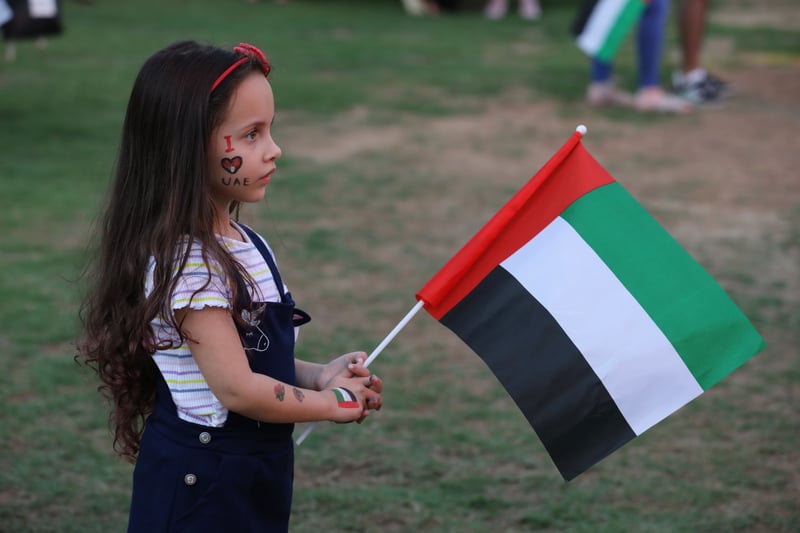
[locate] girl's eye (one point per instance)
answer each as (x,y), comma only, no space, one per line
(251,135)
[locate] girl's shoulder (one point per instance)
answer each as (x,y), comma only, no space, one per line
(249,244)
(250,256)
(203,281)
(200,273)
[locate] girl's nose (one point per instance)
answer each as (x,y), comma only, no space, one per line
(273,152)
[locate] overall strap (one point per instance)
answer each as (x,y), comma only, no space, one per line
(259,244)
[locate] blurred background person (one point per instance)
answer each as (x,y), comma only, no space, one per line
(497,9)
(692,82)
(430,7)
(29,20)
(650,96)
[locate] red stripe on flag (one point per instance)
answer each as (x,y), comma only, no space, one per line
(568,175)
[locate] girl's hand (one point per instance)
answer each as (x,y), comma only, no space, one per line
(340,371)
(355,396)
(374,384)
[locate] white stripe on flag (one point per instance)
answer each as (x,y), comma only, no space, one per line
(631,356)
(42,9)
(603,17)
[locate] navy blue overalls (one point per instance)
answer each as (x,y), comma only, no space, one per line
(238,478)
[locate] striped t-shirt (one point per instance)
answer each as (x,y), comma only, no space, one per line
(190,391)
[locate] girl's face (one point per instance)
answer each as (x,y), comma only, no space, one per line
(242,153)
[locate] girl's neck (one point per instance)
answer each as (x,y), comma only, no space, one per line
(224,227)
(222,221)
(229,230)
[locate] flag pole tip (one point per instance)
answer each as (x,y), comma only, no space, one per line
(581,129)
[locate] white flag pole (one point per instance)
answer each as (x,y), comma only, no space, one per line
(385,342)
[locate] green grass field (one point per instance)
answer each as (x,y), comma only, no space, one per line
(401,136)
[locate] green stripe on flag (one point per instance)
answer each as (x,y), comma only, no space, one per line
(340,396)
(711,334)
(626,20)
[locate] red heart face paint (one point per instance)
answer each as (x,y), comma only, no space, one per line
(232,164)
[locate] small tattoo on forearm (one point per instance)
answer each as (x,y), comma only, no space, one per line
(299,394)
(280,392)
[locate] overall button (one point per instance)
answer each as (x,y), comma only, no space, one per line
(190,479)
(205,437)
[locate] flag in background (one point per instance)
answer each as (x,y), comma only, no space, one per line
(597,323)
(602,25)
(30,19)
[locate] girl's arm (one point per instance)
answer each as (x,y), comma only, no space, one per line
(308,374)
(217,348)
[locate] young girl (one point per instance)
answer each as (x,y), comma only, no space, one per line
(187,321)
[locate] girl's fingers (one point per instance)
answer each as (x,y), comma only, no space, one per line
(374,402)
(356,366)
(374,383)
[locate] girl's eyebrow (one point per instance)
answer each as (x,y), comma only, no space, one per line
(256,123)
(251,125)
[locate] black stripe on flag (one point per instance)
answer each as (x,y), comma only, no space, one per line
(543,371)
(582,17)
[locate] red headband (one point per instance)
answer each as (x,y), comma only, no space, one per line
(248,51)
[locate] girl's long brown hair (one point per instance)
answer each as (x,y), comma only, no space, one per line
(158,199)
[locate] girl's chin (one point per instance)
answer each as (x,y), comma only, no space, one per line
(256,196)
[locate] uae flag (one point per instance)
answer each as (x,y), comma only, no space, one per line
(594,319)
(602,25)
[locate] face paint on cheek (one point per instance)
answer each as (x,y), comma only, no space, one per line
(234,181)
(231,164)
(229,146)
